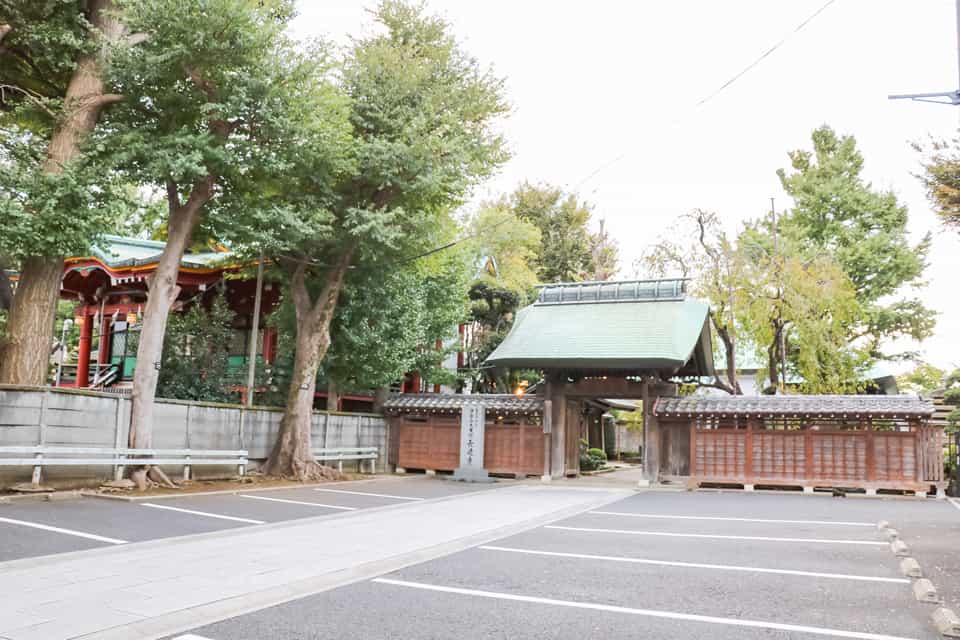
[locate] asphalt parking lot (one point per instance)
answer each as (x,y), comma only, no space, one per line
(34,528)
(657,565)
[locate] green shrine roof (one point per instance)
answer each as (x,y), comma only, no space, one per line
(631,326)
(117,251)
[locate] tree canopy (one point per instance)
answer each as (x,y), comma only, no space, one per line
(865,231)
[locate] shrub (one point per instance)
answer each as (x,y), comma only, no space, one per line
(589,463)
(597,453)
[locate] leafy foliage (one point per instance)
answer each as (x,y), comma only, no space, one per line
(941,177)
(864,230)
(565,243)
(924,378)
(195,363)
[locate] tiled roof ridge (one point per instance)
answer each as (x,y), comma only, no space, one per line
(795,405)
(611,291)
(454,401)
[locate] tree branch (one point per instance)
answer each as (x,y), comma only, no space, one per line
(36,98)
(4,30)
(136,38)
(107,99)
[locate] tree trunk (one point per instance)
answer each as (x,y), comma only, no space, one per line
(333,396)
(6,289)
(163,291)
(292,454)
(26,351)
(26,354)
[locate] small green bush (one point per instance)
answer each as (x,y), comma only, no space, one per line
(597,453)
(589,463)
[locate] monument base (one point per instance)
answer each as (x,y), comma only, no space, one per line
(471,474)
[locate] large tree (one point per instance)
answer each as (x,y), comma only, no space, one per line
(697,248)
(423,115)
(566,246)
(226,103)
(52,93)
(941,177)
(865,230)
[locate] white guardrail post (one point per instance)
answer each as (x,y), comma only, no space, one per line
(41,438)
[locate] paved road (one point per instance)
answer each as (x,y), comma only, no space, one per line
(658,565)
(29,529)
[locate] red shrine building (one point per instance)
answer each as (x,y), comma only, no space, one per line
(110,289)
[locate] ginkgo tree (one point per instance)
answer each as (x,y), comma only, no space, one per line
(222,104)
(423,117)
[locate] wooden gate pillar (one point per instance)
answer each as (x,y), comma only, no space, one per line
(651,426)
(558,427)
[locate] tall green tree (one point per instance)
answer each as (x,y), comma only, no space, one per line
(53,55)
(865,230)
(565,243)
(225,105)
(388,323)
(422,113)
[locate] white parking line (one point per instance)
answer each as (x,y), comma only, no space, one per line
(698,565)
(191,636)
(69,532)
(954,502)
(205,514)
(669,517)
(652,613)
(716,536)
(312,504)
(364,493)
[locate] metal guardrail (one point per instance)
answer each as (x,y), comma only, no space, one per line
(348,453)
(118,458)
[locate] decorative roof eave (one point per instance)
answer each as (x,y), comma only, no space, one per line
(823,406)
(448,403)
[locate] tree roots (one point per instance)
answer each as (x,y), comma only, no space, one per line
(304,471)
(150,476)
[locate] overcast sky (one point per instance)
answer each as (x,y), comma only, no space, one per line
(603,96)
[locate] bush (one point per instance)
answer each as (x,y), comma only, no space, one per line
(589,463)
(591,459)
(597,453)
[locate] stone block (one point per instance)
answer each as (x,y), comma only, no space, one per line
(910,568)
(892,534)
(924,591)
(748,487)
(947,622)
(883,524)
(899,548)
(808,489)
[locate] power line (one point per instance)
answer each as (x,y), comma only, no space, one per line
(765,54)
(720,89)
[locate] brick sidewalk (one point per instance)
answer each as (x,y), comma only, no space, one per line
(152,589)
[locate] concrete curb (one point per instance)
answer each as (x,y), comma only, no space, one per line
(899,548)
(910,568)
(924,591)
(182,621)
(947,622)
(89,493)
(46,496)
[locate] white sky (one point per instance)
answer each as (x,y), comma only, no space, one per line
(612,84)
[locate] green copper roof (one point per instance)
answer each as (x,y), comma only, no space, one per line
(625,326)
(117,251)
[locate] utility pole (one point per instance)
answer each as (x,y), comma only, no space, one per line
(942,97)
(254,331)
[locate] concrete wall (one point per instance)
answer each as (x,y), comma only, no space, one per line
(35,415)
